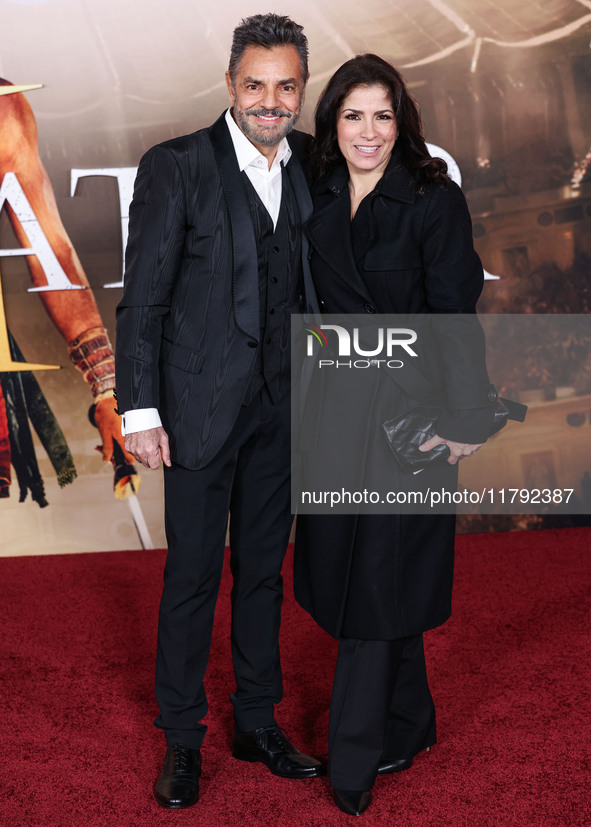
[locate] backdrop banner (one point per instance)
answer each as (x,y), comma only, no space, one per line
(86,88)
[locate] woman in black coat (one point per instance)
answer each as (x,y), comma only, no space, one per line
(390,234)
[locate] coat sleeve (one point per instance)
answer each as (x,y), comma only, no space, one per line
(453,283)
(157,221)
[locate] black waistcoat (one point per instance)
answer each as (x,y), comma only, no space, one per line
(279,254)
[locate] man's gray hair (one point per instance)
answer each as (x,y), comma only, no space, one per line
(268,30)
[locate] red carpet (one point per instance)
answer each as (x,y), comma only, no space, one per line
(510,674)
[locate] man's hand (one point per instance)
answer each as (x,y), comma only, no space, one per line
(457,450)
(149,447)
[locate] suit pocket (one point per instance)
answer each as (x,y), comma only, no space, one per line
(180,356)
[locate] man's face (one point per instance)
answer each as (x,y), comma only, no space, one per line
(267,94)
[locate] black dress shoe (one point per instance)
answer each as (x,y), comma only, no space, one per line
(271,746)
(397,765)
(352,802)
(178,785)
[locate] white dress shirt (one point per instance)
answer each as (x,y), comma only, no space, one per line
(267,183)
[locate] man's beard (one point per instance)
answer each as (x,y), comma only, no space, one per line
(265,135)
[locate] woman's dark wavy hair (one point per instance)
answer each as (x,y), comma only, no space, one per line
(371,70)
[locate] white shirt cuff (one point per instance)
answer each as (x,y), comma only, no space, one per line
(142,419)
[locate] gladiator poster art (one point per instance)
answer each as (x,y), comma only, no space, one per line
(86,88)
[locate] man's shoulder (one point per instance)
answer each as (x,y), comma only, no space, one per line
(196,141)
(184,143)
(300,143)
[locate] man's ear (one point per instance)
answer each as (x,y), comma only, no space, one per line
(230,88)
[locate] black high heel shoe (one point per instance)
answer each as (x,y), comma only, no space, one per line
(397,764)
(352,802)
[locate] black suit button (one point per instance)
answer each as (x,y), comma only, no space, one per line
(253,344)
(271,311)
(493,395)
(275,249)
(274,279)
(369,308)
(268,340)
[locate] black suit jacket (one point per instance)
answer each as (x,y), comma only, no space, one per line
(188,323)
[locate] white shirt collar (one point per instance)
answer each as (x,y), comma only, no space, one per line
(247,154)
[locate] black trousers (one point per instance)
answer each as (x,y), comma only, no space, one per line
(381,708)
(249,478)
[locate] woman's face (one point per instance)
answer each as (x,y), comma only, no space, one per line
(366,129)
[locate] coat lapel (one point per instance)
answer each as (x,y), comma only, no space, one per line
(245,275)
(300,187)
(329,233)
(332,214)
(304,202)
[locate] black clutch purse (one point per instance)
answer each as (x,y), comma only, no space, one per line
(406,432)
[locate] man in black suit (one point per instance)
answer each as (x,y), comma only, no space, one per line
(215,265)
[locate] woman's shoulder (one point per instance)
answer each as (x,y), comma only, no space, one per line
(443,196)
(335,181)
(411,187)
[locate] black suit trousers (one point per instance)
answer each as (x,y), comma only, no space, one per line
(250,478)
(381,708)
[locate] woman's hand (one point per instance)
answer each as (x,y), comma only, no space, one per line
(457,450)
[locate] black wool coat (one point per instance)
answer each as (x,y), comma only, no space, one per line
(387,576)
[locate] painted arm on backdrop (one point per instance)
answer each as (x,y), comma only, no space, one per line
(74,312)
